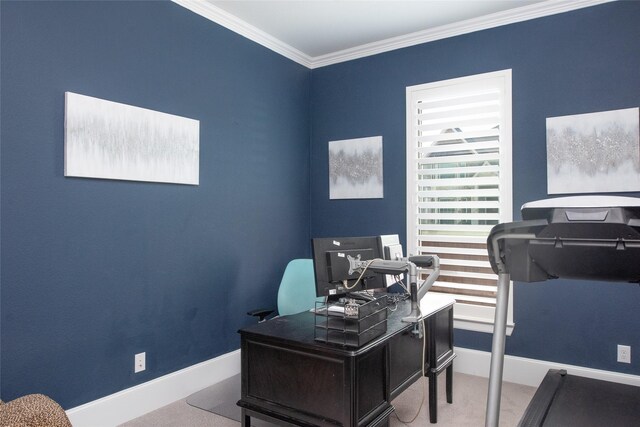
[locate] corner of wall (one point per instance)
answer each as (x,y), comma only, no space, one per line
(136,401)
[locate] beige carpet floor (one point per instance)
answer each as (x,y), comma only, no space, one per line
(468,408)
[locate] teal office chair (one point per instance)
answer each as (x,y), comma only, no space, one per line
(297,291)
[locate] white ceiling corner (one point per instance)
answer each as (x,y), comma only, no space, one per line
(324,32)
(237,25)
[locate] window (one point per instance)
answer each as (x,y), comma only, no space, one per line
(459,185)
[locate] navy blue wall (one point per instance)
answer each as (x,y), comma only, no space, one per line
(583,61)
(94,271)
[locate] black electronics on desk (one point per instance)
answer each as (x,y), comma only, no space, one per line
(332,269)
(351,322)
(351,316)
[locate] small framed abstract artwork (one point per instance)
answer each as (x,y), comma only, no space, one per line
(355,168)
(109,140)
(594,152)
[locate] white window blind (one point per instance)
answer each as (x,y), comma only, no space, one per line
(459,182)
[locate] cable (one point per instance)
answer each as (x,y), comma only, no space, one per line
(361,274)
(395,298)
(400,282)
(424,389)
(424,338)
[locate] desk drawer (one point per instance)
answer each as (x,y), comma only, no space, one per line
(305,382)
(351,339)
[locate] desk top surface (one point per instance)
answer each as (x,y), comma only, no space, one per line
(299,330)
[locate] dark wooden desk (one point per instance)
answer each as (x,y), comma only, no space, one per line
(288,378)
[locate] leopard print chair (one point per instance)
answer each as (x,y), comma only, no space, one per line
(33,410)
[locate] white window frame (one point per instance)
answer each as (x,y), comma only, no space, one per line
(466,316)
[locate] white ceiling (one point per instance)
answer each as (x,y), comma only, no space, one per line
(319,28)
(320,32)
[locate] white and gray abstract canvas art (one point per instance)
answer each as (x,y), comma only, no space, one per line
(109,140)
(355,168)
(594,152)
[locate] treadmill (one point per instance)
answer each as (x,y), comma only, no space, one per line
(579,237)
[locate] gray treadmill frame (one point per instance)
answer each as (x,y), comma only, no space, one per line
(522,231)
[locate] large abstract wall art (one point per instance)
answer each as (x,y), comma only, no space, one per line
(594,152)
(355,168)
(109,140)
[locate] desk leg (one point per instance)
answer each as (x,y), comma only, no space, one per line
(450,383)
(246,419)
(433,397)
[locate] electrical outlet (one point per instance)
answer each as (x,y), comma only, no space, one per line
(139,362)
(624,353)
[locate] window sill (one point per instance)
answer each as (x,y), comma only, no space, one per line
(478,325)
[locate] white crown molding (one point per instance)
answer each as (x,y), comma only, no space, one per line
(533,11)
(525,13)
(229,21)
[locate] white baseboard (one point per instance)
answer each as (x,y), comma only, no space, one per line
(133,402)
(521,370)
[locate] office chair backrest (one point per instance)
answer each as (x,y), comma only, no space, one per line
(297,292)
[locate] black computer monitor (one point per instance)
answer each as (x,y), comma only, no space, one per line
(331,264)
